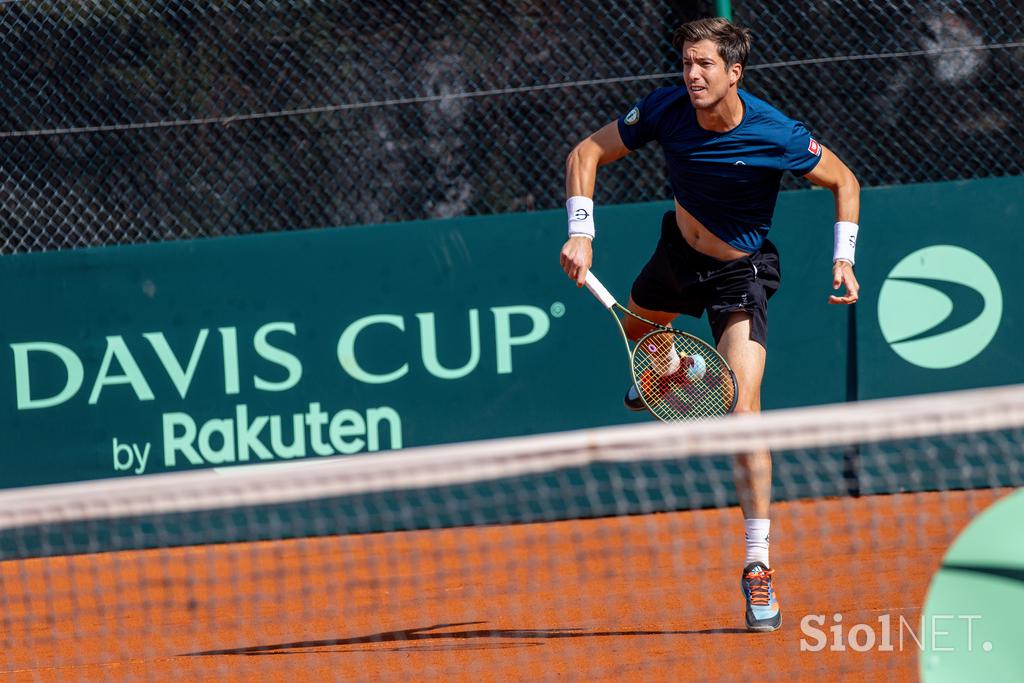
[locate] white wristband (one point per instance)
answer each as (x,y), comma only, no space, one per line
(581,216)
(845,242)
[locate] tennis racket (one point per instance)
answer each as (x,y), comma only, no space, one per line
(678,376)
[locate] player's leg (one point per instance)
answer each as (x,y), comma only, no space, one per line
(656,296)
(753,475)
(636,328)
(746,357)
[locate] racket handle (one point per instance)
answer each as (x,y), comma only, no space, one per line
(598,290)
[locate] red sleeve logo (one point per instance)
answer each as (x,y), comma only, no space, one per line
(814,148)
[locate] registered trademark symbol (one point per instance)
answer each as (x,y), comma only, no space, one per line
(557,309)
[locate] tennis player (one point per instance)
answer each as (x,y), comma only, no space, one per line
(725,153)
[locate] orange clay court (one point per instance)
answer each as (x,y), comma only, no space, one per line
(646,597)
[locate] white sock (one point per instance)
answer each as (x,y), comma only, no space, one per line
(666,363)
(756,533)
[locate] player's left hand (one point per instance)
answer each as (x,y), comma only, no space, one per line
(842,274)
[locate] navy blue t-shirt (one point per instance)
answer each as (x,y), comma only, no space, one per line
(728,181)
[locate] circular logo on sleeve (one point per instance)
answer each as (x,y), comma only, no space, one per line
(940,307)
(633,116)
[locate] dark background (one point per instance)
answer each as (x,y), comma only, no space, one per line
(149,75)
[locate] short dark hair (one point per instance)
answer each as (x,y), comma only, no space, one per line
(733,41)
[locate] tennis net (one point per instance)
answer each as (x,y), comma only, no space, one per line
(606,554)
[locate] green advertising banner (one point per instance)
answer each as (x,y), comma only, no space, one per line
(267,348)
(274,348)
(937,265)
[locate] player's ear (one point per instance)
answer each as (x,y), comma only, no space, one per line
(735,73)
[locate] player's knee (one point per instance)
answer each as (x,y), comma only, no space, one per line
(635,329)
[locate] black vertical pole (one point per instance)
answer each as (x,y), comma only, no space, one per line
(851,455)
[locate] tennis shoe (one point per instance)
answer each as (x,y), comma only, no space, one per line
(633,400)
(654,383)
(763,612)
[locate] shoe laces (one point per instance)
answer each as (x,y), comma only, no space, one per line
(760,586)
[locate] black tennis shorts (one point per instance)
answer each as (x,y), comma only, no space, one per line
(680,279)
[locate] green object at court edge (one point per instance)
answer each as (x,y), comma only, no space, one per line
(724,9)
(972,612)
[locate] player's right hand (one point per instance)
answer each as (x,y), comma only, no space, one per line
(576,257)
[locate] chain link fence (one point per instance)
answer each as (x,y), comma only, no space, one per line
(143,121)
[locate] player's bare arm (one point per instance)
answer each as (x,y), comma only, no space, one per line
(833,174)
(600,148)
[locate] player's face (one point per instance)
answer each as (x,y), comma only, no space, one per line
(705,74)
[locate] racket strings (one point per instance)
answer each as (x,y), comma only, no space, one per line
(682,378)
